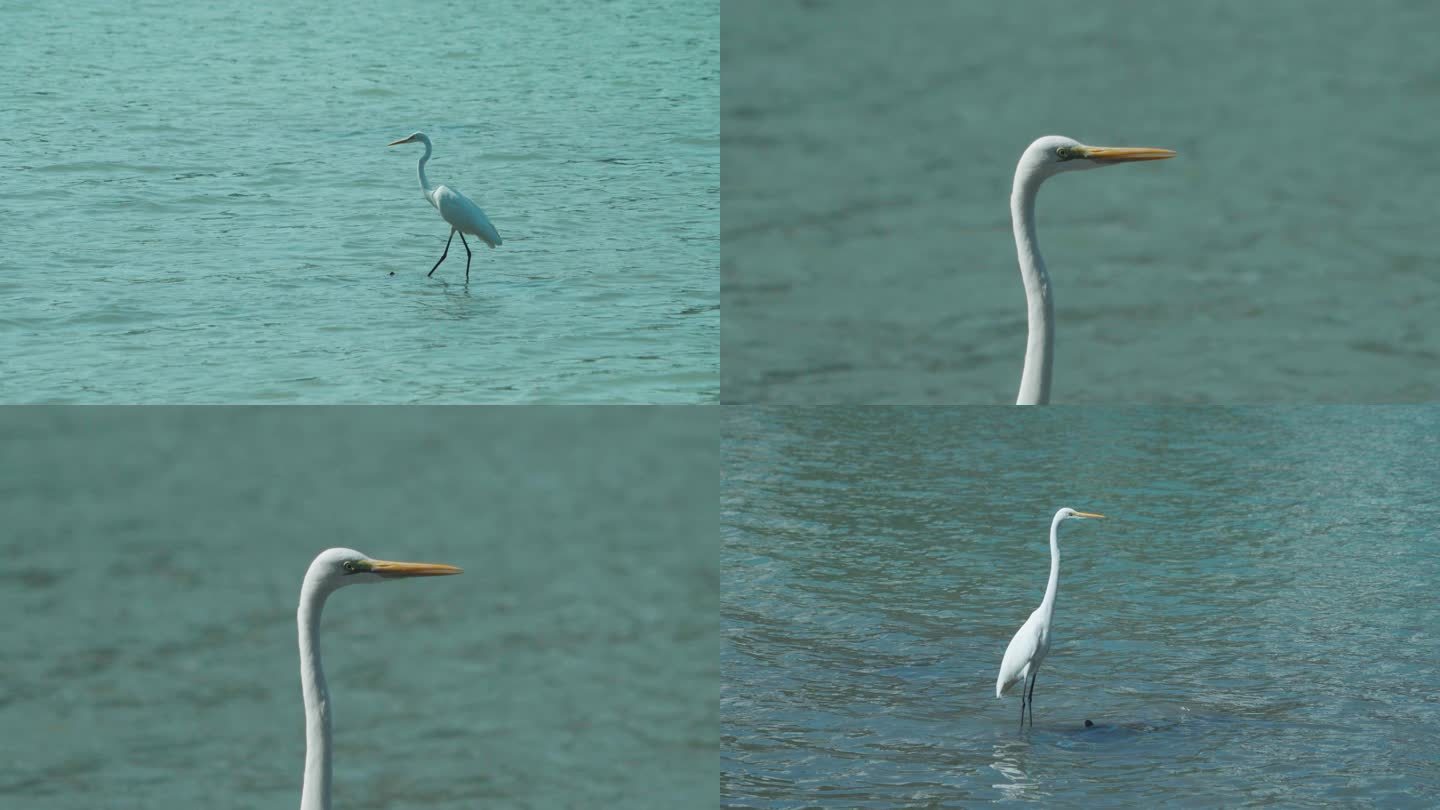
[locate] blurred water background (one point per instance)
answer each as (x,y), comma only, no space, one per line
(199,205)
(1286,255)
(153,560)
(1252,625)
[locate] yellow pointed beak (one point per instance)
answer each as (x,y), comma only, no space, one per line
(1124,154)
(385,568)
(397,143)
(1088,515)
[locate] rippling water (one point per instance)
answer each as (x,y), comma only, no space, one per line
(199,204)
(153,560)
(1286,255)
(1252,624)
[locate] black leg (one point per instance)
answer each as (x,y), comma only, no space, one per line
(443,255)
(1022,705)
(467,257)
(1033,676)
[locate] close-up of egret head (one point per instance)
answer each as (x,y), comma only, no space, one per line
(332,569)
(338,567)
(1053,154)
(1046,157)
(411,138)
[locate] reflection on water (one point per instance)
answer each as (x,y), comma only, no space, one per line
(1010,763)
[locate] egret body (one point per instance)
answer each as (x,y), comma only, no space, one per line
(333,569)
(1044,158)
(455,208)
(1032,641)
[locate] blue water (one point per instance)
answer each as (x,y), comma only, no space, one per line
(153,561)
(1253,623)
(199,205)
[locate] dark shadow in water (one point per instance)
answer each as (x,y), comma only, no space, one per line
(463,287)
(451,300)
(1101,730)
(1127,728)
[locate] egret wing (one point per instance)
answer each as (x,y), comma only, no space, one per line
(1016,664)
(464,215)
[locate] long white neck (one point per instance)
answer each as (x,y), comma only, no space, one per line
(424,183)
(315,795)
(1047,605)
(1040,343)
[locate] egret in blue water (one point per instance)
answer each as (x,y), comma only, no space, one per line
(334,569)
(455,208)
(1032,641)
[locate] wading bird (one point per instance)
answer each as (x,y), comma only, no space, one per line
(1032,641)
(463,215)
(1048,156)
(333,569)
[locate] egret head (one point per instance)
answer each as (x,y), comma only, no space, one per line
(1054,154)
(1070,514)
(417,137)
(338,567)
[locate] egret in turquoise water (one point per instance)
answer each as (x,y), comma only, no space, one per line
(333,569)
(455,208)
(1032,641)
(1045,157)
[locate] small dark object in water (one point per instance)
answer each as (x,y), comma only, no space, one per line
(1088,724)
(392,272)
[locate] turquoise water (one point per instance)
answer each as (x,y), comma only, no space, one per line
(1252,624)
(199,205)
(1286,254)
(153,560)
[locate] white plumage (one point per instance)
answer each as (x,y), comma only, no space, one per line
(1031,642)
(455,208)
(1044,158)
(463,214)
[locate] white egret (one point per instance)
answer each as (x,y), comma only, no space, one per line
(1032,641)
(1048,156)
(463,214)
(332,569)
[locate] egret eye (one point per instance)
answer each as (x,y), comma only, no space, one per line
(1063,153)
(349,566)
